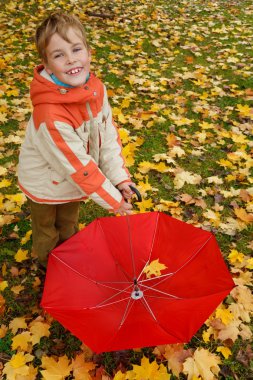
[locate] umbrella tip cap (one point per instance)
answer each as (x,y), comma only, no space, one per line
(137,294)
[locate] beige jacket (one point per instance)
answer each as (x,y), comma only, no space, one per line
(72,148)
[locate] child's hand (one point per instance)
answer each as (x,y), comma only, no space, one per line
(125,189)
(125,208)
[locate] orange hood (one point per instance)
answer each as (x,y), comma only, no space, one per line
(45,92)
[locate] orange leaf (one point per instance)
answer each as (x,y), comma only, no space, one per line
(171,140)
(189,59)
(243,215)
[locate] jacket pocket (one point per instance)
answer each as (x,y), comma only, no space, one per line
(55,177)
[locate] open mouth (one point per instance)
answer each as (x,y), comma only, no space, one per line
(74,71)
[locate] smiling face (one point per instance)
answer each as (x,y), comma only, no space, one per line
(68,61)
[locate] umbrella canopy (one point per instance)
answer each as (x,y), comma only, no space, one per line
(97,288)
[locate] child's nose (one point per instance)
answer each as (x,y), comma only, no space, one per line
(70,58)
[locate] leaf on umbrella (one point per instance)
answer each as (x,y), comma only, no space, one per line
(55,370)
(154,268)
(203,363)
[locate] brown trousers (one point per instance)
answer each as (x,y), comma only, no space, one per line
(52,225)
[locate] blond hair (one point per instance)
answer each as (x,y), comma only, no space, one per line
(59,23)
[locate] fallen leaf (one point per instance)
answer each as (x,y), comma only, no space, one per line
(203,363)
(55,369)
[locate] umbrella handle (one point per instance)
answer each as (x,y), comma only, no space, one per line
(139,197)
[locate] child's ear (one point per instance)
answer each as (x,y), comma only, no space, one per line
(47,68)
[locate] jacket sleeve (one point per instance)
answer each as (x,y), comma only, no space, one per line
(64,150)
(111,160)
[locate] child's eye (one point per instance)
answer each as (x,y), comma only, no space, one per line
(58,55)
(76,49)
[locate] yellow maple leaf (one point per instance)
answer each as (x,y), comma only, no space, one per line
(18,198)
(243,215)
(186,177)
(17,323)
(231,331)
(81,368)
(145,166)
(226,352)
(144,186)
(249,263)
(235,256)
(38,330)
(145,204)
(3,170)
(26,238)
(124,135)
(225,315)
(161,167)
(148,371)
(17,366)
(3,285)
(21,341)
(154,268)
(125,103)
(203,363)
(120,376)
(14,92)
(19,359)
(245,110)
(55,369)
(21,255)
(5,183)
(17,289)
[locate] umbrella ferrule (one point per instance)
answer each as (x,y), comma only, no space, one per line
(136,294)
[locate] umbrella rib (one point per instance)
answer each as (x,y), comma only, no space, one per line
(114,295)
(151,248)
(82,275)
(103,304)
(154,278)
(145,302)
(126,312)
(160,291)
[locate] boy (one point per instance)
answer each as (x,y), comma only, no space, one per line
(72,148)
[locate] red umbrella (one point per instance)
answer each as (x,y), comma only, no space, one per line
(97,288)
